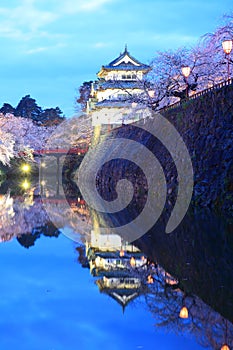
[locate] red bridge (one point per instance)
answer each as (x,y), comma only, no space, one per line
(60,151)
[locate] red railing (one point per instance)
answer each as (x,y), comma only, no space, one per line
(61,151)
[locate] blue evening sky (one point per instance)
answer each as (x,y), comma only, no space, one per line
(49,47)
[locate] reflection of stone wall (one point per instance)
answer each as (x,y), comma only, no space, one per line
(199,253)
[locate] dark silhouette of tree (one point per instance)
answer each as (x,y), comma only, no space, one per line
(51,116)
(82,259)
(27,240)
(7,108)
(28,108)
(84,94)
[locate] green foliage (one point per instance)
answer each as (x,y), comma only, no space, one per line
(84,94)
(7,108)
(28,108)
(51,116)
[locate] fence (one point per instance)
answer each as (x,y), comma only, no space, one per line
(200,93)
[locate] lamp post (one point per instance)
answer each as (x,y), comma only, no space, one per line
(225,345)
(186,72)
(227,47)
(184,312)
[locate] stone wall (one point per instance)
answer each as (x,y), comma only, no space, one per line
(206,125)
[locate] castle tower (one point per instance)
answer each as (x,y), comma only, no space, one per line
(119,84)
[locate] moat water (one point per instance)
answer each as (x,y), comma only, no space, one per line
(61,293)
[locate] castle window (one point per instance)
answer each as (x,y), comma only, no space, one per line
(129,77)
(121,96)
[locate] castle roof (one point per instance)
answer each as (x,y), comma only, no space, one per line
(117,103)
(125,62)
(122,296)
(119,84)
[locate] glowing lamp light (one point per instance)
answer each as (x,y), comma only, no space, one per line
(25,184)
(151,93)
(227,46)
(26,168)
(122,253)
(186,71)
(225,347)
(132,261)
(184,312)
(150,279)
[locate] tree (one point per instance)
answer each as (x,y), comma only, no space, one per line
(28,108)
(73,132)
(51,116)
(6,147)
(84,94)
(7,108)
(212,42)
(24,133)
(206,60)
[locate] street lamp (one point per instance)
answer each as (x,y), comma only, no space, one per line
(186,72)
(132,261)
(25,184)
(184,312)
(227,47)
(225,347)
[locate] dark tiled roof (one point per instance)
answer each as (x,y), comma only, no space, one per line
(119,84)
(126,66)
(114,103)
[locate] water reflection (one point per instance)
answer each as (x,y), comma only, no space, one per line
(183,280)
(116,262)
(127,273)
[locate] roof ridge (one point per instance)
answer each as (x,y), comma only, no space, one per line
(122,55)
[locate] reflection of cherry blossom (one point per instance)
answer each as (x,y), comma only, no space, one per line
(23,214)
(19,215)
(76,218)
(6,209)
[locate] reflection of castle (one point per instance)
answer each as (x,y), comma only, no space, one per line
(116,263)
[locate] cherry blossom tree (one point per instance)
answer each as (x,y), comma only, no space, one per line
(21,136)
(73,132)
(6,147)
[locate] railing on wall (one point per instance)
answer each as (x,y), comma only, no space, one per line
(200,93)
